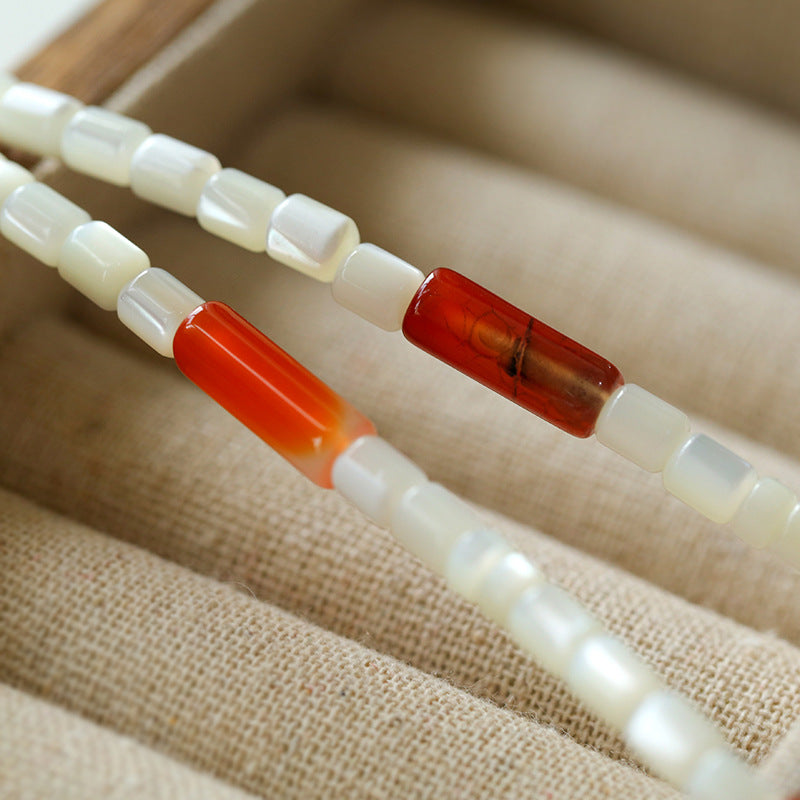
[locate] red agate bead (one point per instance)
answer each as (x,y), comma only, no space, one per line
(292,410)
(502,347)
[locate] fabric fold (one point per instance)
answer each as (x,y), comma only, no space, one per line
(194,486)
(584,112)
(48,752)
(208,675)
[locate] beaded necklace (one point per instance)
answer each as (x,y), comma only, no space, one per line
(336,446)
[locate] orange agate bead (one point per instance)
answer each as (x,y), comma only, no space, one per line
(265,388)
(521,358)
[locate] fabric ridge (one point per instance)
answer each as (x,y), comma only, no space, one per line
(183,615)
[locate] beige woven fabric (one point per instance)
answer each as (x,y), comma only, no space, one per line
(737,43)
(272,533)
(51,753)
(783,764)
(187,589)
(585,114)
(210,675)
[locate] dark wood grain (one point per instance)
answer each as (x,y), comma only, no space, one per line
(100,51)
(103,48)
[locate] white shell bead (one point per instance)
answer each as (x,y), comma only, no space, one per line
(550,625)
(153,305)
(610,679)
(502,585)
(236,206)
(429,520)
(720,774)
(33,118)
(6,82)
(101,143)
(39,220)
(641,427)
(764,514)
(377,286)
(311,237)
(671,736)
(171,173)
(709,478)
(374,476)
(470,560)
(12,176)
(787,546)
(98,262)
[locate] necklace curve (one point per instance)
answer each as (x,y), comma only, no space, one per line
(334,445)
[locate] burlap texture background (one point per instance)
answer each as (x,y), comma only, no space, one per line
(166,578)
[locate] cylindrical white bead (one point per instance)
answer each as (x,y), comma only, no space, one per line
(311,237)
(709,477)
(235,206)
(6,82)
(502,585)
(787,545)
(39,220)
(429,520)
(641,427)
(12,176)
(153,305)
(101,143)
(550,625)
(670,736)
(764,514)
(171,173)
(374,476)
(377,286)
(98,262)
(470,560)
(720,774)
(610,679)
(33,118)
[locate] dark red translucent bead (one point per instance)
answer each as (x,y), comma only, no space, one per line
(291,409)
(485,337)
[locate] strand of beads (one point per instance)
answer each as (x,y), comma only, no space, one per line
(336,446)
(445,314)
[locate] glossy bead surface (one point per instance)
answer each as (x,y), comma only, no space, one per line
(671,736)
(6,82)
(550,625)
(237,207)
(503,584)
(708,477)
(641,427)
(98,262)
(764,514)
(471,559)
(292,410)
(33,118)
(487,338)
(720,774)
(101,143)
(39,220)
(377,286)
(429,520)
(171,173)
(787,545)
(311,237)
(12,176)
(374,476)
(610,679)
(153,305)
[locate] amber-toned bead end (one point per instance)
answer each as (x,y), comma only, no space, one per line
(502,347)
(291,409)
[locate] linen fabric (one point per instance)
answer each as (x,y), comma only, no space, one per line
(180,605)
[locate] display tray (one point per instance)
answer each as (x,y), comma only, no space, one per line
(178,607)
